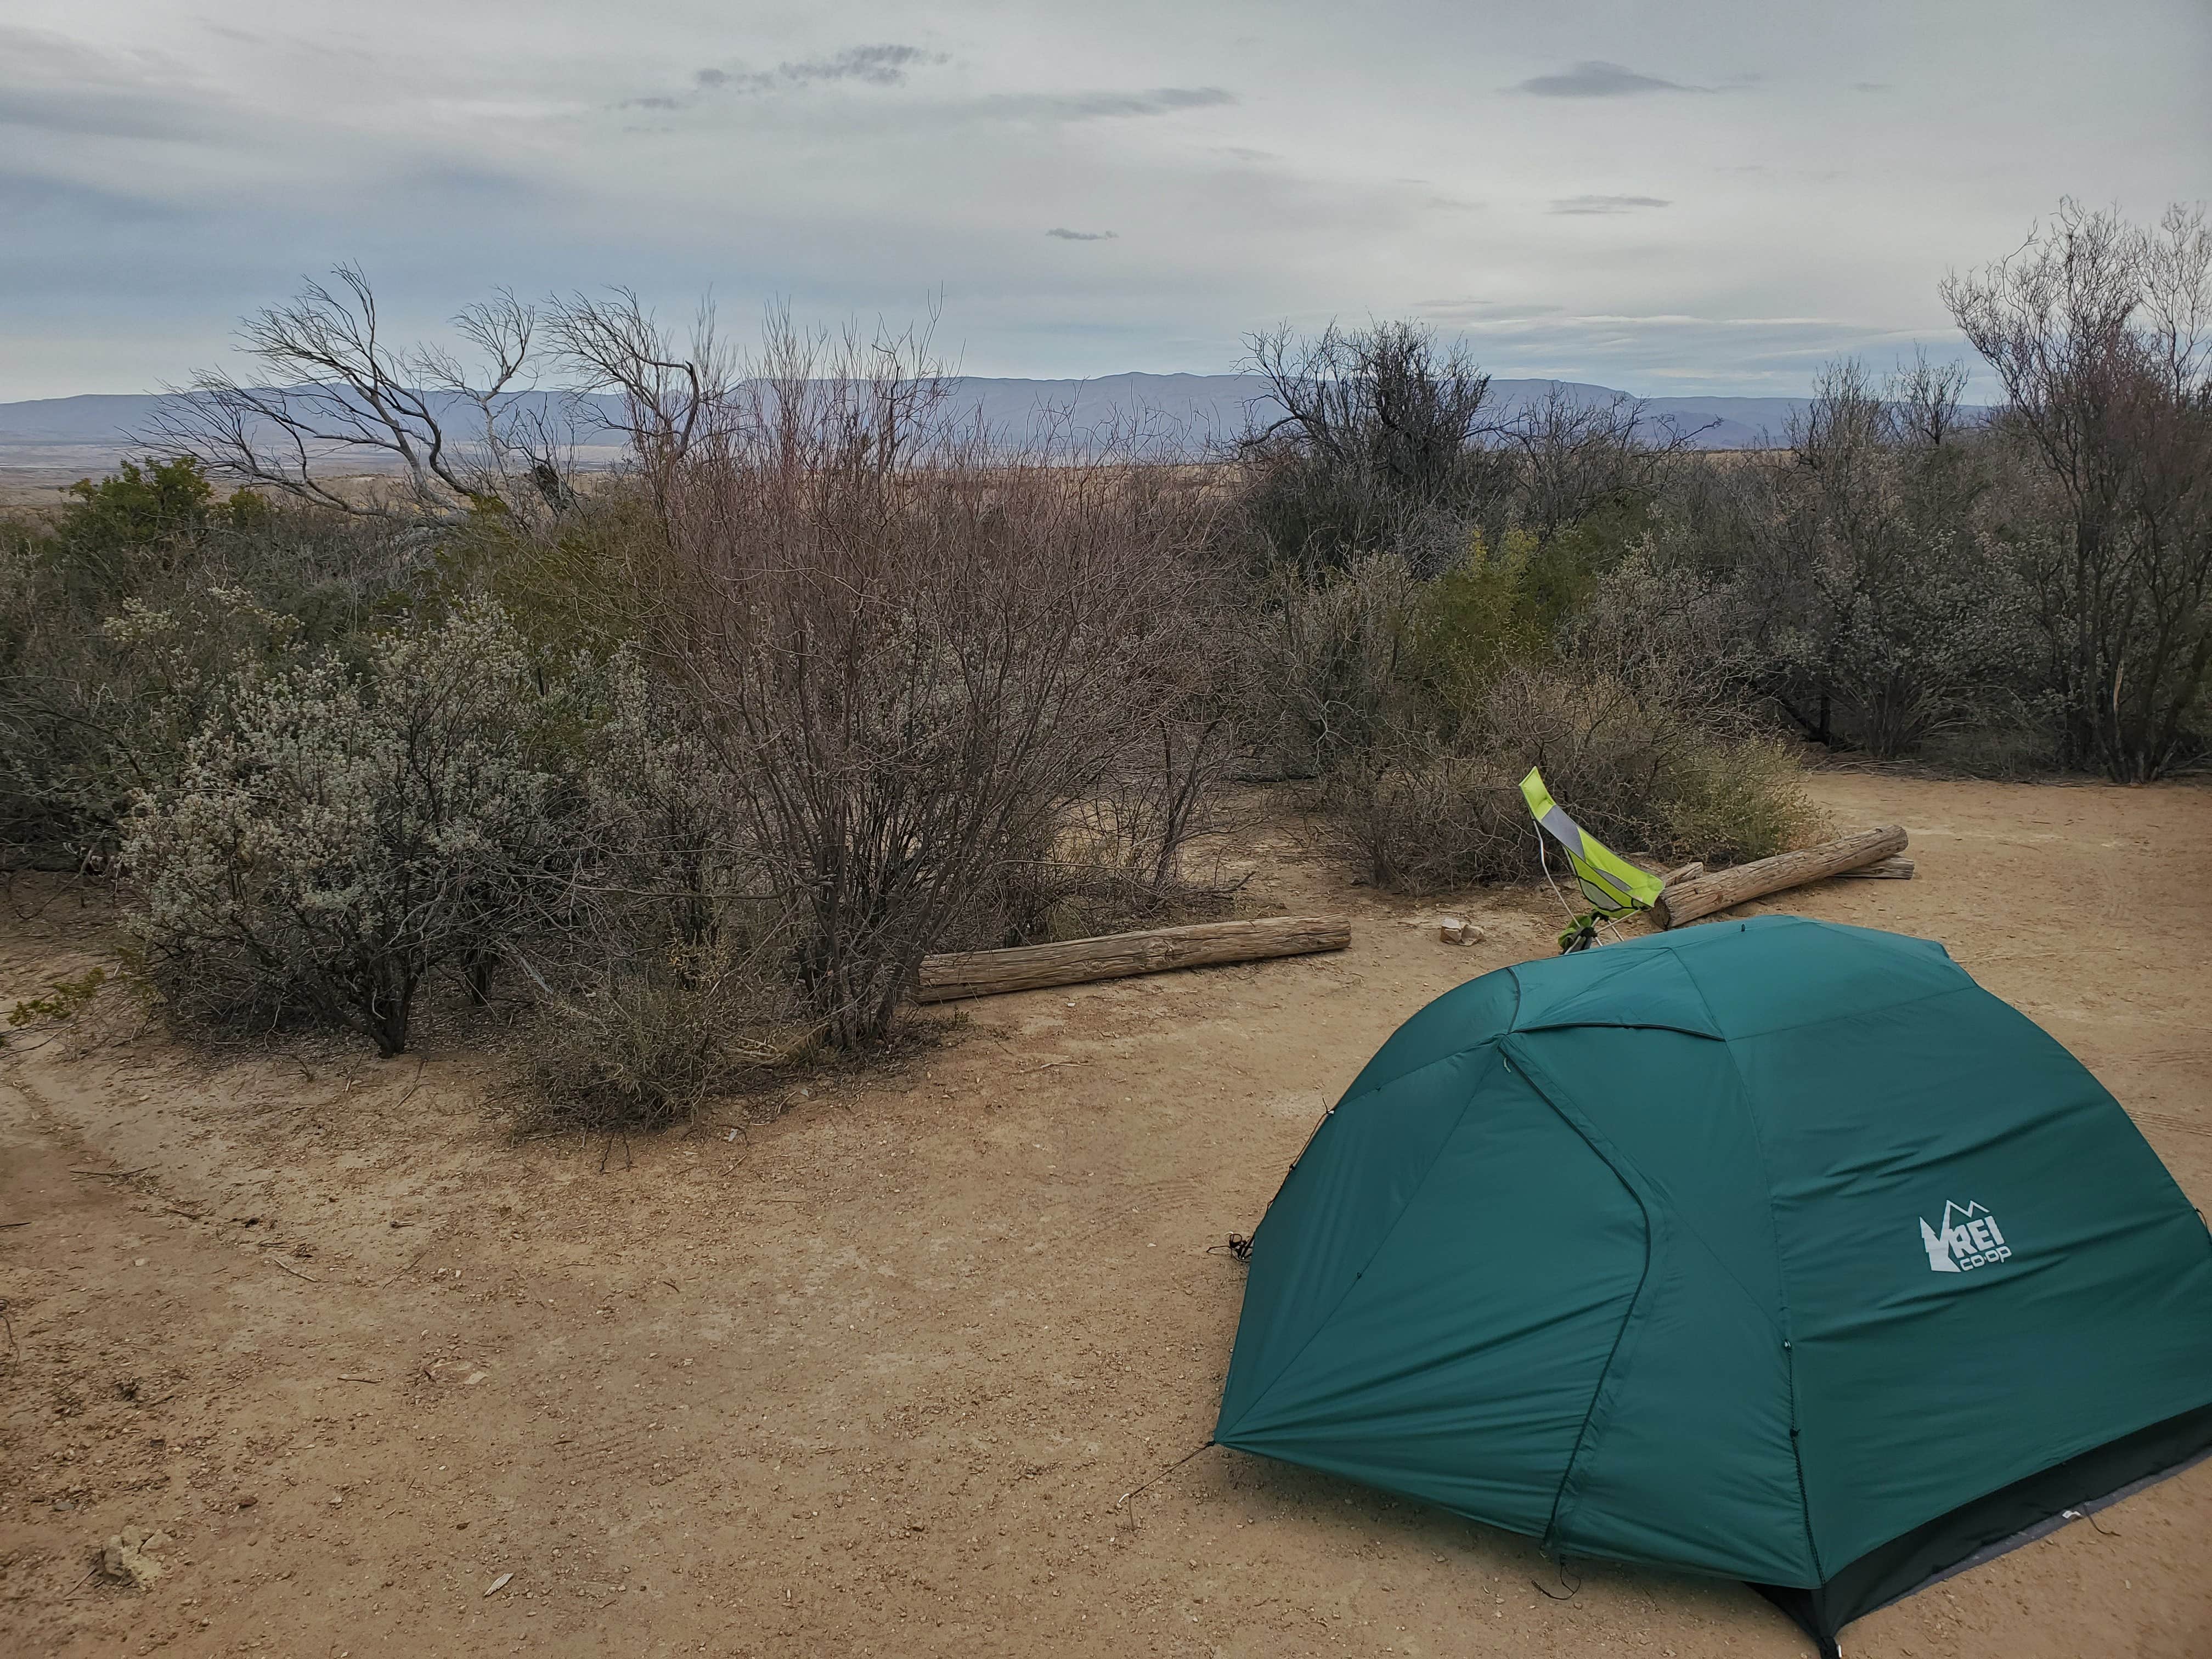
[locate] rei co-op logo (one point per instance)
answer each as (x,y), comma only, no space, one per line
(1968,1239)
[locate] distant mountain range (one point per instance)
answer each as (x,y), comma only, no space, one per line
(1172,413)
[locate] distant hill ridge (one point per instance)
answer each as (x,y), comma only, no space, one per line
(1180,413)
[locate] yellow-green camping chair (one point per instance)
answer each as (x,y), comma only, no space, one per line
(1612,886)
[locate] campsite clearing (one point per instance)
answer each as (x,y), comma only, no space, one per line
(871,1375)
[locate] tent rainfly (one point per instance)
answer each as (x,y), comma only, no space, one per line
(1775,1250)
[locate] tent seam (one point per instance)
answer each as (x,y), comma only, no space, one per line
(1781,1275)
(1676,1225)
(1627,1318)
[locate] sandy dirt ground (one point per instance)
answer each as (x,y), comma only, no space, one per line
(870,1377)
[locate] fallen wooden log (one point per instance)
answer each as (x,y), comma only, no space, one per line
(1687,873)
(1889,869)
(1717,890)
(959,974)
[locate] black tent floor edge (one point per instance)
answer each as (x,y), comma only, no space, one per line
(1991,1526)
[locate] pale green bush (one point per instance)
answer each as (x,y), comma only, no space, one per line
(334,837)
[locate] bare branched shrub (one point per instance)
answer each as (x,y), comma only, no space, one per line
(1122,855)
(2100,333)
(333,838)
(1574,456)
(1377,441)
(917,659)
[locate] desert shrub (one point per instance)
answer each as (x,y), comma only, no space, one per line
(1378,448)
(1422,811)
(1418,813)
(672,963)
(672,868)
(914,681)
(642,1052)
(2099,332)
(641,1044)
(587,579)
(1890,608)
(1122,856)
(917,659)
(1934,642)
(1495,607)
(144,522)
(122,619)
(335,836)
(1330,661)
(96,709)
(1730,799)
(1612,683)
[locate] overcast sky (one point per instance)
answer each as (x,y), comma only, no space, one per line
(1688,198)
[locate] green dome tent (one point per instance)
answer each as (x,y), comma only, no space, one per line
(1777,1250)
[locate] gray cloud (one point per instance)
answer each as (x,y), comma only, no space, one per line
(1594,78)
(1608,203)
(882,65)
(51,84)
(849,172)
(879,66)
(1484,311)
(93,112)
(1102,105)
(1063,233)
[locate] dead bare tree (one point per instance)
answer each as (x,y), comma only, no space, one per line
(2100,333)
(334,391)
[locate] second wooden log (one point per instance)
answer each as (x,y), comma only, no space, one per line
(1716,890)
(954,974)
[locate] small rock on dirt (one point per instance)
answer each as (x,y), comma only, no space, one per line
(128,1557)
(466,1372)
(1453,931)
